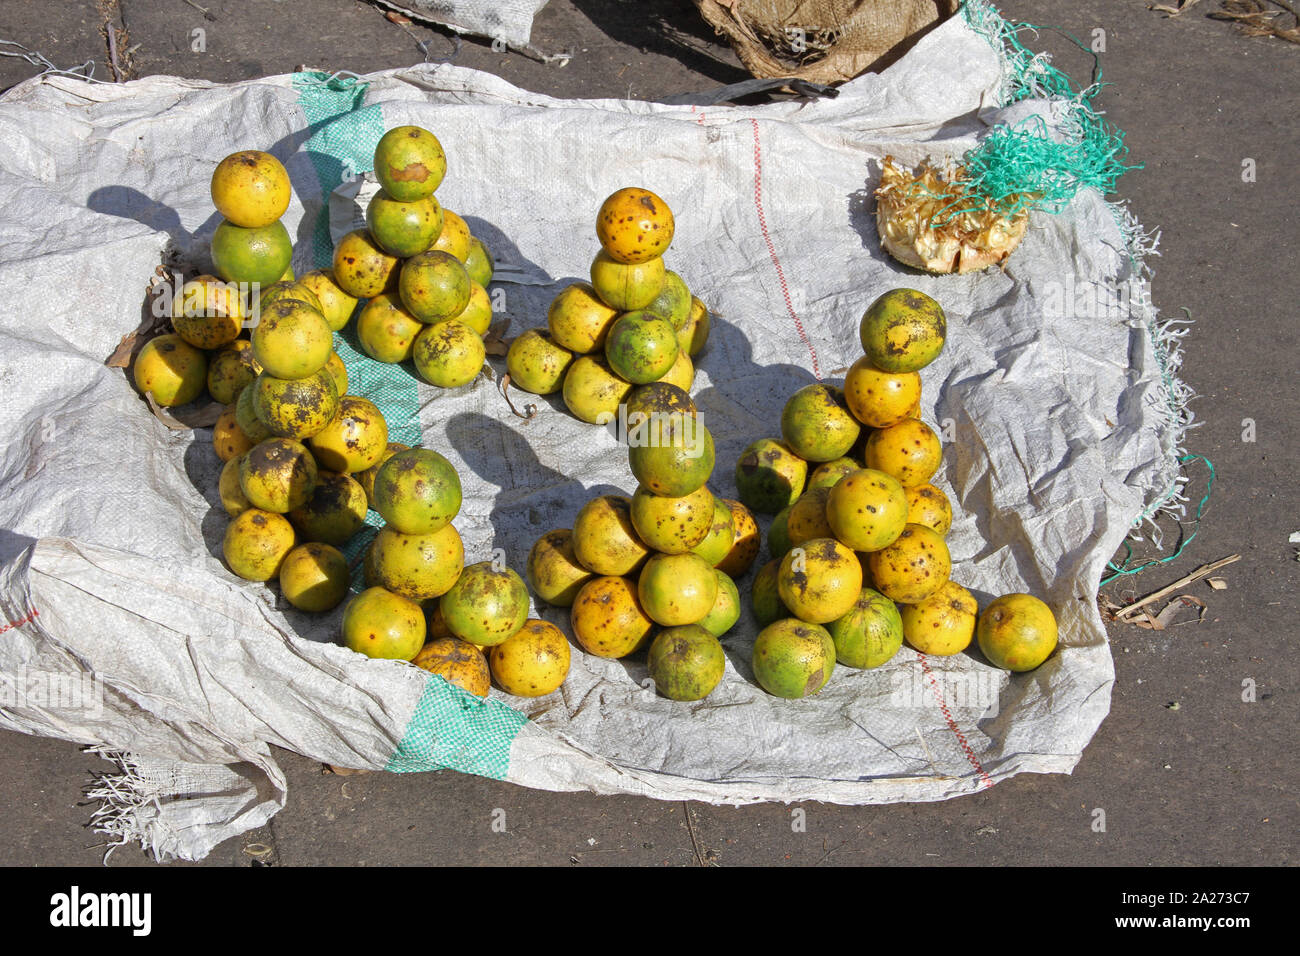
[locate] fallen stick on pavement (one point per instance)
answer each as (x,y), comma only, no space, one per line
(1196,575)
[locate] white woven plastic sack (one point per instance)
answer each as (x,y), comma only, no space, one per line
(509,21)
(1056,397)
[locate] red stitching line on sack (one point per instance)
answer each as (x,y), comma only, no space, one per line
(952,725)
(771,249)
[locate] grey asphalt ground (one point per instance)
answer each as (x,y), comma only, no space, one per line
(1211,781)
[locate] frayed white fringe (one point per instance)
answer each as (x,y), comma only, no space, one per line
(125,799)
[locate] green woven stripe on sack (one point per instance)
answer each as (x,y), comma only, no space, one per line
(455,730)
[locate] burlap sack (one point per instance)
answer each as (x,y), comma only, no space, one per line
(822,41)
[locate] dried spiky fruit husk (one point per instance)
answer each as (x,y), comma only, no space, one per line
(969,235)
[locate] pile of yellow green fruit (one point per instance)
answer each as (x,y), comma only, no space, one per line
(424,275)
(305,461)
(859,563)
(657,568)
(635,323)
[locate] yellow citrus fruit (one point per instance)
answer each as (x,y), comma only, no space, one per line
(434,286)
(386,331)
(682,374)
(870,634)
(455,238)
(251,188)
(417,491)
(722,534)
(479,262)
(605,539)
(233,498)
(171,370)
(247,415)
(867,509)
(693,336)
(477,313)
(335,511)
(634,225)
(686,662)
(673,301)
(778,534)
(880,399)
(403,229)
(361,268)
(553,570)
(230,370)
(820,580)
(592,391)
(486,605)
(314,577)
(378,623)
(817,425)
(913,567)
(607,617)
(409,163)
(1017,632)
(288,289)
(335,304)
(793,658)
(903,331)
(257,256)
(457,662)
(366,479)
(532,663)
(641,347)
(449,354)
(770,476)
(944,623)
(417,566)
(672,525)
(579,321)
(745,544)
(228,438)
(765,596)
(256,543)
(208,313)
(336,370)
(354,440)
(806,518)
(627,286)
(294,407)
(278,475)
(537,363)
(929,506)
(292,340)
(828,473)
(909,450)
(677,589)
(726,606)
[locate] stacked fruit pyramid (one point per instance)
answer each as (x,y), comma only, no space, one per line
(635,323)
(664,558)
(858,558)
(424,605)
(423,273)
(305,461)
